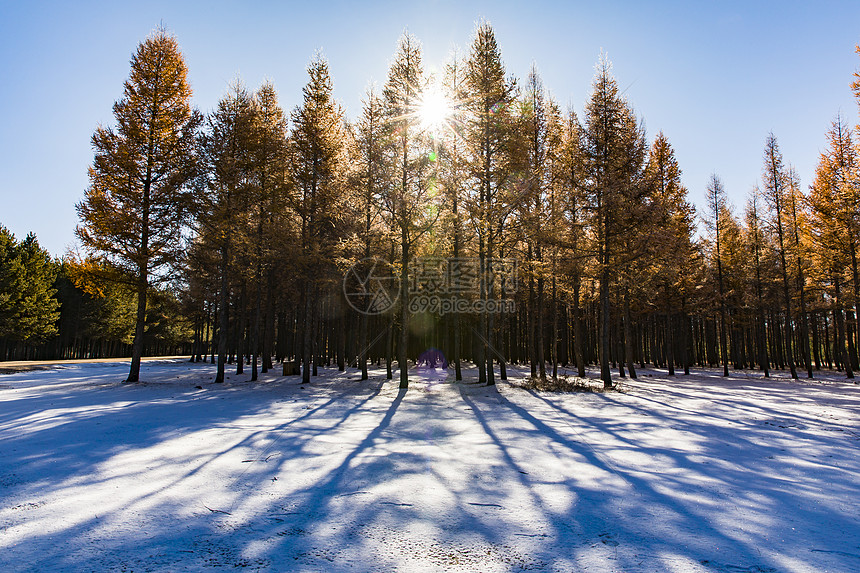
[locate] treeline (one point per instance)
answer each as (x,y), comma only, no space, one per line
(471,163)
(48,312)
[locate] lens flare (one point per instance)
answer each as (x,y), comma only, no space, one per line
(433,110)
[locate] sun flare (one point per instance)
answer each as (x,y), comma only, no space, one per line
(433,110)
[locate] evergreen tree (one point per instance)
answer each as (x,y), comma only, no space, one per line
(28,308)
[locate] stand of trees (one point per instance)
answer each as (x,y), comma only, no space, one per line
(50,309)
(611,270)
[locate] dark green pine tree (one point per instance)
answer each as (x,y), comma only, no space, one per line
(28,308)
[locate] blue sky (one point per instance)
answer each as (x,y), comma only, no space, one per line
(714,77)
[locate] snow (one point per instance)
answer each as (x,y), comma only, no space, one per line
(681,474)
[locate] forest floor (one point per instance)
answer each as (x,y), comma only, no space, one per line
(685,474)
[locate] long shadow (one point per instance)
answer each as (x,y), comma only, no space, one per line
(308,507)
(690,519)
(314,523)
(295,526)
(517,471)
(75,442)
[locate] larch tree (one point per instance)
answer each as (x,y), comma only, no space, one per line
(777,194)
(533,206)
(833,227)
(226,149)
(671,227)
(571,149)
(407,201)
(135,208)
(756,244)
(489,95)
(716,208)
(797,224)
(318,161)
(371,139)
(268,166)
(613,151)
(454,174)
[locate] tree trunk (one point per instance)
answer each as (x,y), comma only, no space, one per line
(628,335)
(137,345)
(224,318)
(577,330)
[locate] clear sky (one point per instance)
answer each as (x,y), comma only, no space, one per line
(715,77)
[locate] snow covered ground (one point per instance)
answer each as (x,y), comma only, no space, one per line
(681,474)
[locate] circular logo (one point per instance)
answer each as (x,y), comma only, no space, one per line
(371,286)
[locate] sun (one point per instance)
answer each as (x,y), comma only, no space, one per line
(434,109)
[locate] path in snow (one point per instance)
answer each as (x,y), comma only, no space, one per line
(688,474)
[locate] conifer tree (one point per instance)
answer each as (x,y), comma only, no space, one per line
(227,151)
(669,237)
(318,161)
(755,241)
(535,116)
(268,166)
(487,130)
(135,208)
(371,139)
(454,174)
(575,203)
(796,223)
(833,226)
(407,200)
(777,195)
(614,152)
(28,308)
(715,195)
